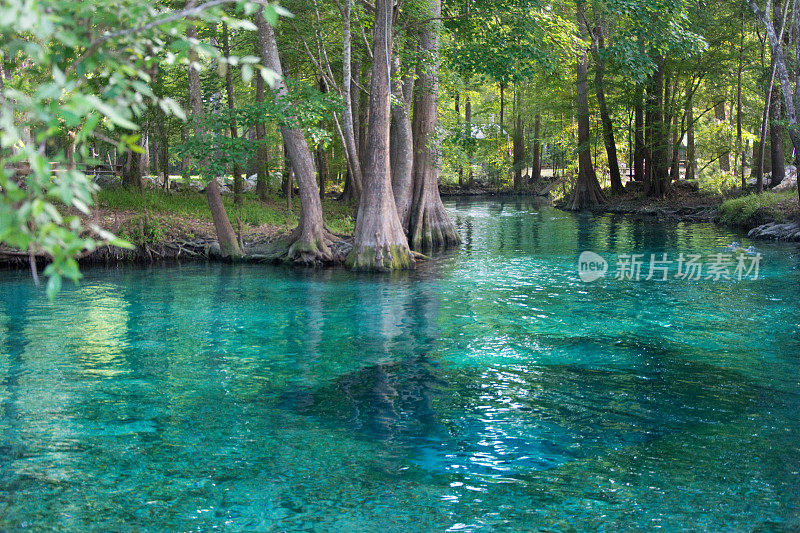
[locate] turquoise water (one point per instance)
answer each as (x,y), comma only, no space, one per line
(490,389)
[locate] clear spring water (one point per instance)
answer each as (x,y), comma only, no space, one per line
(489,389)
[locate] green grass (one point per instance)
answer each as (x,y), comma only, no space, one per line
(339,216)
(756,209)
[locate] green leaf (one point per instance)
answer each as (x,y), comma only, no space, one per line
(53,286)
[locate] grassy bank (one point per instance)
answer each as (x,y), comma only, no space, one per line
(757,209)
(153,216)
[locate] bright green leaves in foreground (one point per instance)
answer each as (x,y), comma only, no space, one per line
(76,73)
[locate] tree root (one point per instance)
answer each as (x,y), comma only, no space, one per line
(297,249)
(434,231)
(380,259)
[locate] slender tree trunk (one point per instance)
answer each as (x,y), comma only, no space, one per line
(185,176)
(320,155)
(468,128)
(691,157)
(163,146)
(537,150)
(724,157)
(674,167)
(322,169)
(598,47)
(587,192)
(638,136)
(401,142)
(739,148)
(776,143)
(286,174)
(502,108)
(349,88)
(309,241)
(363,122)
(237,169)
(776,49)
(429,226)
(262,150)
(519,150)
(132,171)
(670,88)
(287,182)
(380,243)
(228,243)
(656,164)
(144,157)
(458,116)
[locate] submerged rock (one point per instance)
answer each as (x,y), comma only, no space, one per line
(789,231)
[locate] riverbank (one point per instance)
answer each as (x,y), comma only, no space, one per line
(177,226)
(772,215)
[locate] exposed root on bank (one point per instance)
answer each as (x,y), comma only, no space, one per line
(302,248)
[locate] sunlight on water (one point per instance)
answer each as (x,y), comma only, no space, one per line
(489,389)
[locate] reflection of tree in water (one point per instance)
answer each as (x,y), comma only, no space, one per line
(387,401)
(14,314)
(391,398)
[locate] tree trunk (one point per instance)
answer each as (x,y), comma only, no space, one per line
(638,136)
(519,150)
(322,169)
(598,47)
(228,244)
(308,243)
(502,108)
(724,157)
(656,164)
(144,157)
(222,224)
(669,124)
(468,128)
(587,192)
(163,146)
(185,176)
(320,155)
(674,167)
(401,143)
(287,183)
(429,225)
(380,243)
(262,150)
(349,97)
(363,122)
(132,171)
(458,117)
(691,157)
(237,169)
(537,150)
(739,158)
(776,142)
